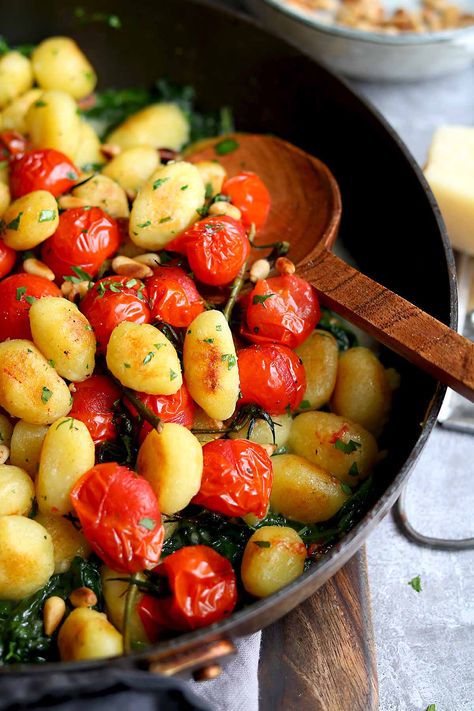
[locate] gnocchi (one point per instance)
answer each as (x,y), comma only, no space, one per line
(26,557)
(59,64)
(157,125)
(30,220)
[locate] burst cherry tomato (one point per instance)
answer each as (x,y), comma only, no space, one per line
(17,293)
(46,169)
(249,193)
(112,300)
(282,309)
(203,591)
(237,478)
(93,404)
(85,238)
(178,408)
(174,298)
(119,514)
(13,143)
(215,247)
(7,259)
(271,376)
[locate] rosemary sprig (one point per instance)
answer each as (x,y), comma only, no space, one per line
(239,280)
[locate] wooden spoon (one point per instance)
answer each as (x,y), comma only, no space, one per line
(306,211)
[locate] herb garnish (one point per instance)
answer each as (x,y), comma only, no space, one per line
(347,447)
(415,583)
(227,145)
(45,394)
(261,298)
(47,215)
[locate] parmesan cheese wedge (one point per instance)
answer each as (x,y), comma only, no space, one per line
(450,173)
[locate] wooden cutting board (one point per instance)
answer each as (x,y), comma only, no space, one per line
(321,656)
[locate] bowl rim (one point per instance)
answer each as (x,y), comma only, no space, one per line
(408,39)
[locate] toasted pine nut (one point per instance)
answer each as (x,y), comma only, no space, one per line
(34,266)
(70,290)
(151,259)
(269,448)
(260,269)
(110,150)
(83,597)
(129,267)
(67,201)
(72,387)
(283,265)
(53,612)
(221,207)
(4,453)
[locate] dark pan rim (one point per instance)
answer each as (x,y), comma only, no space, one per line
(340,553)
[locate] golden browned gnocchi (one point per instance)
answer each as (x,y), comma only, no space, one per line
(158,126)
(30,388)
(142,358)
(132,167)
(172,462)
(64,336)
(87,634)
(319,354)
(336,444)
(13,117)
(68,542)
(30,220)
(274,556)
(6,429)
(66,454)
(25,447)
(105,193)
(210,364)
(26,557)
(88,154)
(17,491)
(115,591)
(53,122)
(58,63)
(16,77)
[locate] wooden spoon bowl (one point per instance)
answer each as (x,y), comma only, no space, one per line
(306,211)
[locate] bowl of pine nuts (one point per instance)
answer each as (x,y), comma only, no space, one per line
(396,40)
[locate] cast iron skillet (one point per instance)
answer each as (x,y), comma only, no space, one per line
(388,211)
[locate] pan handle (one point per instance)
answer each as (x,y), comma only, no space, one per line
(202,660)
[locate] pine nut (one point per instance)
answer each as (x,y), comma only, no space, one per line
(83,597)
(110,150)
(131,268)
(221,207)
(53,612)
(283,265)
(70,290)
(4,453)
(260,269)
(72,387)
(269,448)
(151,259)
(34,266)
(67,201)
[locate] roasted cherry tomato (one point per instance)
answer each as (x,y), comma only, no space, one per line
(85,238)
(237,478)
(178,408)
(112,300)
(119,514)
(13,143)
(93,404)
(249,193)
(203,590)
(7,259)
(45,169)
(215,247)
(17,293)
(174,298)
(282,309)
(271,376)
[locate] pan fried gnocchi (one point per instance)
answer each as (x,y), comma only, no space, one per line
(173,406)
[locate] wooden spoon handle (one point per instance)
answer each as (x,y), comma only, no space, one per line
(395,322)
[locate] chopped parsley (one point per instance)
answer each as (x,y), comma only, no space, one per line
(347,447)
(219,327)
(81,276)
(173,375)
(262,544)
(144,224)
(15,223)
(30,300)
(183,187)
(305,404)
(130,283)
(261,298)
(158,183)
(346,488)
(227,145)
(148,523)
(126,365)
(72,176)
(208,193)
(45,394)
(19,292)
(230,359)
(353,469)
(68,420)
(148,357)
(47,215)
(39,104)
(415,583)
(208,340)
(165,219)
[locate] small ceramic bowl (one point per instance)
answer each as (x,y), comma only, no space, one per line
(371,55)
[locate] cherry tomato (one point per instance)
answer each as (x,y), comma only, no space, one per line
(7,259)
(14,143)
(215,247)
(119,514)
(237,478)
(282,309)
(17,293)
(271,376)
(93,404)
(46,169)
(112,300)
(85,237)
(174,298)
(203,591)
(178,408)
(249,193)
